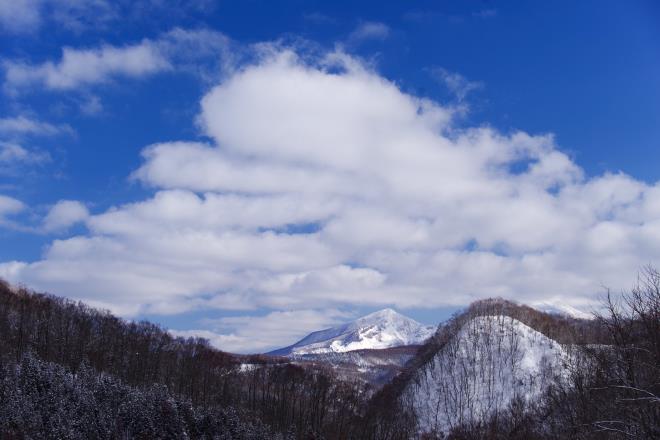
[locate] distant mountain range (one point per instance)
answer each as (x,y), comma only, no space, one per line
(383,329)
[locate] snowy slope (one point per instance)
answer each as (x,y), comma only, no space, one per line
(383,329)
(562,309)
(491,361)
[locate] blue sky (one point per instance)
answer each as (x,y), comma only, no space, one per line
(320,160)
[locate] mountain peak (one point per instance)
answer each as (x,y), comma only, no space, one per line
(383,314)
(381,329)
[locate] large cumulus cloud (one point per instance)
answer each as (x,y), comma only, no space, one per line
(323,184)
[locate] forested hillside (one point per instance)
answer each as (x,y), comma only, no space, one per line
(64,336)
(45,400)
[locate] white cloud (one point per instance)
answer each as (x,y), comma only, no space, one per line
(19,16)
(8,207)
(190,45)
(370,30)
(79,15)
(65,214)
(27,16)
(11,152)
(91,106)
(324,185)
(13,156)
(79,68)
(11,269)
(456,83)
(14,132)
(22,125)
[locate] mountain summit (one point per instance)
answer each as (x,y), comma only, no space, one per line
(382,329)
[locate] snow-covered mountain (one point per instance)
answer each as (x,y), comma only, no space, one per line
(383,329)
(479,369)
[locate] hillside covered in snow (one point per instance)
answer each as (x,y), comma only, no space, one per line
(502,370)
(491,362)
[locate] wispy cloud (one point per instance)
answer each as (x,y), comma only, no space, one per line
(77,69)
(19,16)
(91,105)
(432,15)
(9,206)
(485,13)
(370,30)
(318,18)
(23,125)
(12,155)
(456,83)
(11,152)
(27,16)
(19,155)
(88,66)
(78,16)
